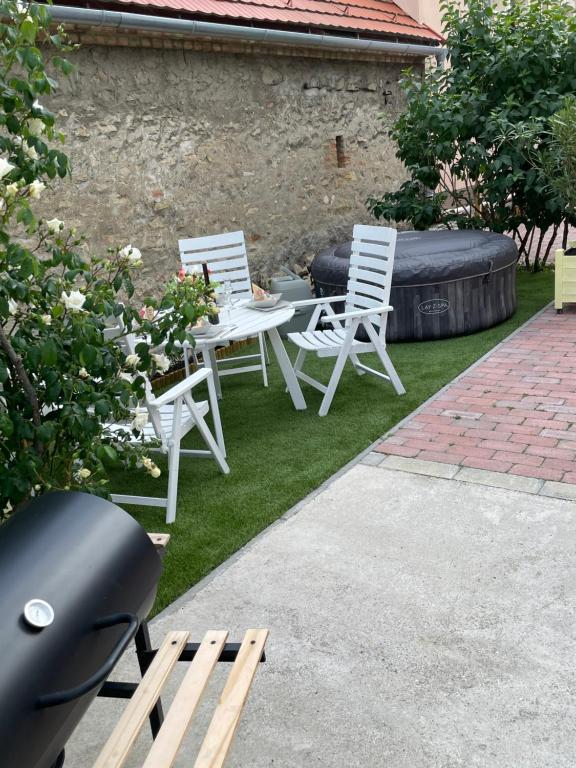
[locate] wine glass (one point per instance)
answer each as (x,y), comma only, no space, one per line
(226,300)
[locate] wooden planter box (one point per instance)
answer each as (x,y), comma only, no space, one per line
(565,278)
(173,377)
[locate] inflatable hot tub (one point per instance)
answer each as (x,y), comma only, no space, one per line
(445,283)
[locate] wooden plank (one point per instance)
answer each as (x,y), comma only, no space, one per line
(118,746)
(165,748)
(221,730)
(160,540)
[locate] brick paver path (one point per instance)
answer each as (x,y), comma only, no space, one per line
(515,412)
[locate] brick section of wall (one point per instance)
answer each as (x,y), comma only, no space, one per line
(135,38)
(515,412)
(174,143)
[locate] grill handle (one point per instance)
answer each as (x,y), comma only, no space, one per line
(63,697)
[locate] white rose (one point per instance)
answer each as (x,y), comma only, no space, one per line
(155,471)
(148,463)
(12,306)
(140,420)
(11,189)
(5,167)
(132,360)
(131,255)
(31,152)
(46,319)
(84,473)
(36,126)
(161,362)
(36,189)
(83,373)
(73,301)
(54,226)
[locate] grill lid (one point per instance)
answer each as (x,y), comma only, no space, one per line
(78,576)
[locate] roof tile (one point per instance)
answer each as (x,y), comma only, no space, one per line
(376,17)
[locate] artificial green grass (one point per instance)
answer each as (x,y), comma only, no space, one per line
(278,455)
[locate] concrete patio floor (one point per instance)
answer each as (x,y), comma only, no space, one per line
(416,621)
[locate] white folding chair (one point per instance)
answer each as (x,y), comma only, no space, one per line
(366,304)
(226,258)
(171,416)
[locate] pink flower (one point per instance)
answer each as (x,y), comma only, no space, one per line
(181,274)
(147,313)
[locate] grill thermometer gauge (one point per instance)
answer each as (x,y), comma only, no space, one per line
(38,613)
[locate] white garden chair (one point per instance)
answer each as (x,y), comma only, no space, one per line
(367,297)
(226,258)
(171,416)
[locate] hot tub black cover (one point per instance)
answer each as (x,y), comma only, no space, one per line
(424,258)
(445,283)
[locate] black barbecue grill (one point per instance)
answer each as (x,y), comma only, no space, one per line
(78,576)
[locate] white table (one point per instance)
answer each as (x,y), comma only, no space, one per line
(244,322)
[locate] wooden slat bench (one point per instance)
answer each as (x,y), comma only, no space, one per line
(144,704)
(218,738)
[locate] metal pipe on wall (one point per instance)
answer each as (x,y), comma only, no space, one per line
(143,22)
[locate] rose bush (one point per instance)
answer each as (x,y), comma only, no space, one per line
(61,378)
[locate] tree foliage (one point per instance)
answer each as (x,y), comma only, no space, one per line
(507,67)
(61,380)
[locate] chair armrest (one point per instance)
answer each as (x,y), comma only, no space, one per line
(313,302)
(358,313)
(181,388)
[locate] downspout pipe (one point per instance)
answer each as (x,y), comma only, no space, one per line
(142,22)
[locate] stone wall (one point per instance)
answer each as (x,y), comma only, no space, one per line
(179,143)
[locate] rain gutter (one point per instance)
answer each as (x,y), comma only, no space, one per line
(142,22)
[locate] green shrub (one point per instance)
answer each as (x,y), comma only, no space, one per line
(61,379)
(508,67)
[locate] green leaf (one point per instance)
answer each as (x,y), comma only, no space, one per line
(49,352)
(28,30)
(88,355)
(107,454)
(46,431)
(102,408)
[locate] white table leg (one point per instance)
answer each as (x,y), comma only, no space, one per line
(287,370)
(211,362)
(209,355)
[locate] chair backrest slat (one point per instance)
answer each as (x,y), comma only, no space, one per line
(371,262)
(366,289)
(226,258)
(365,302)
(380,250)
(209,242)
(192,256)
(370,274)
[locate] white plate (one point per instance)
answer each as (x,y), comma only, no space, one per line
(201,330)
(207,332)
(268,303)
(279,305)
